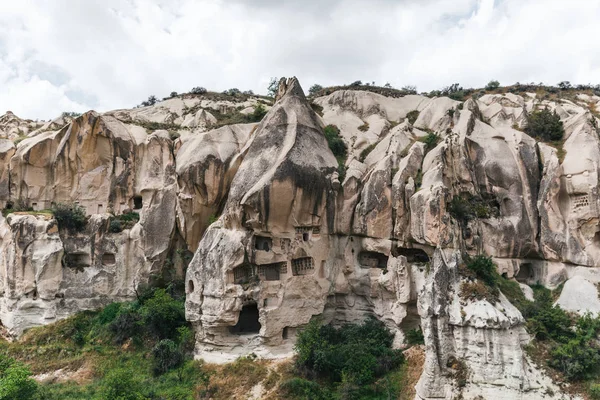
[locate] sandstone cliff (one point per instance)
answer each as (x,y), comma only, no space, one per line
(281,234)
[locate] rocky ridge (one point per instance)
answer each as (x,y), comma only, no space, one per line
(279,237)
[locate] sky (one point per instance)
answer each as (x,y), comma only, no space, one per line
(76,55)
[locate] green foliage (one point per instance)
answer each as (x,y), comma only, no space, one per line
(412,116)
(314,89)
(273,87)
(198,90)
(466,207)
(70,216)
(162,315)
(335,142)
(259,113)
(577,359)
(415,337)
(594,391)
(364,127)
(359,353)
(303,389)
(492,85)
(120,384)
(431,140)
(484,269)
(15,380)
(363,154)
(545,125)
(115,226)
(166,355)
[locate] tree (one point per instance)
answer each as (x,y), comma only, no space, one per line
(314,89)
(15,380)
(356,83)
(545,125)
(564,85)
(198,90)
(173,94)
(410,89)
(387,85)
(150,102)
(492,85)
(273,87)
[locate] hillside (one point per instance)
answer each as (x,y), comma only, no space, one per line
(471,217)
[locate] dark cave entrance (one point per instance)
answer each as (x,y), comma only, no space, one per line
(137,202)
(526,273)
(247,321)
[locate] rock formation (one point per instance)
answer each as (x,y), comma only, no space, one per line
(281,234)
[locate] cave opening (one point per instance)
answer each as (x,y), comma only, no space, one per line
(263,243)
(137,202)
(526,273)
(190,286)
(412,255)
(372,259)
(247,322)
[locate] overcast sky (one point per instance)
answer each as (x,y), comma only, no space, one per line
(76,55)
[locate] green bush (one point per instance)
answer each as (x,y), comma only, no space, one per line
(415,337)
(258,114)
(545,125)
(431,140)
(166,356)
(367,150)
(577,359)
(466,207)
(358,352)
(115,226)
(126,325)
(303,389)
(412,116)
(70,216)
(120,384)
(15,380)
(594,391)
(492,85)
(484,269)
(335,142)
(162,315)
(314,89)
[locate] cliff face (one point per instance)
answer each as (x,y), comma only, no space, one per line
(280,237)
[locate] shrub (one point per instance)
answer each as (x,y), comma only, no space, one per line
(409,89)
(258,114)
(412,116)
(545,125)
(314,89)
(335,142)
(173,94)
(415,337)
(120,384)
(69,216)
(577,359)
(484,269)
(273,87)
(364,127)
(363,154)
(466,207)
(166,356)
(125,325)
(492,85)
(431,140)
(150,102)
(162,315)
(477,290)
(198,90)
(594,391)
(15,380)
(115,226)
(359,352)
(303,389)
(232,92)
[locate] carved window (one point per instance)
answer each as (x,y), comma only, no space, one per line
(303,266)
(272,272)
(581,202)
(242,274)
(372,259)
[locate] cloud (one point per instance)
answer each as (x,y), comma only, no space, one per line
(106,54)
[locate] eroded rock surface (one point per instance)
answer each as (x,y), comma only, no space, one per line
(281,234)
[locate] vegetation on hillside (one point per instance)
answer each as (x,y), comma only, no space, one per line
(338,148)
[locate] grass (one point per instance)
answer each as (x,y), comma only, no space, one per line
(363,154)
